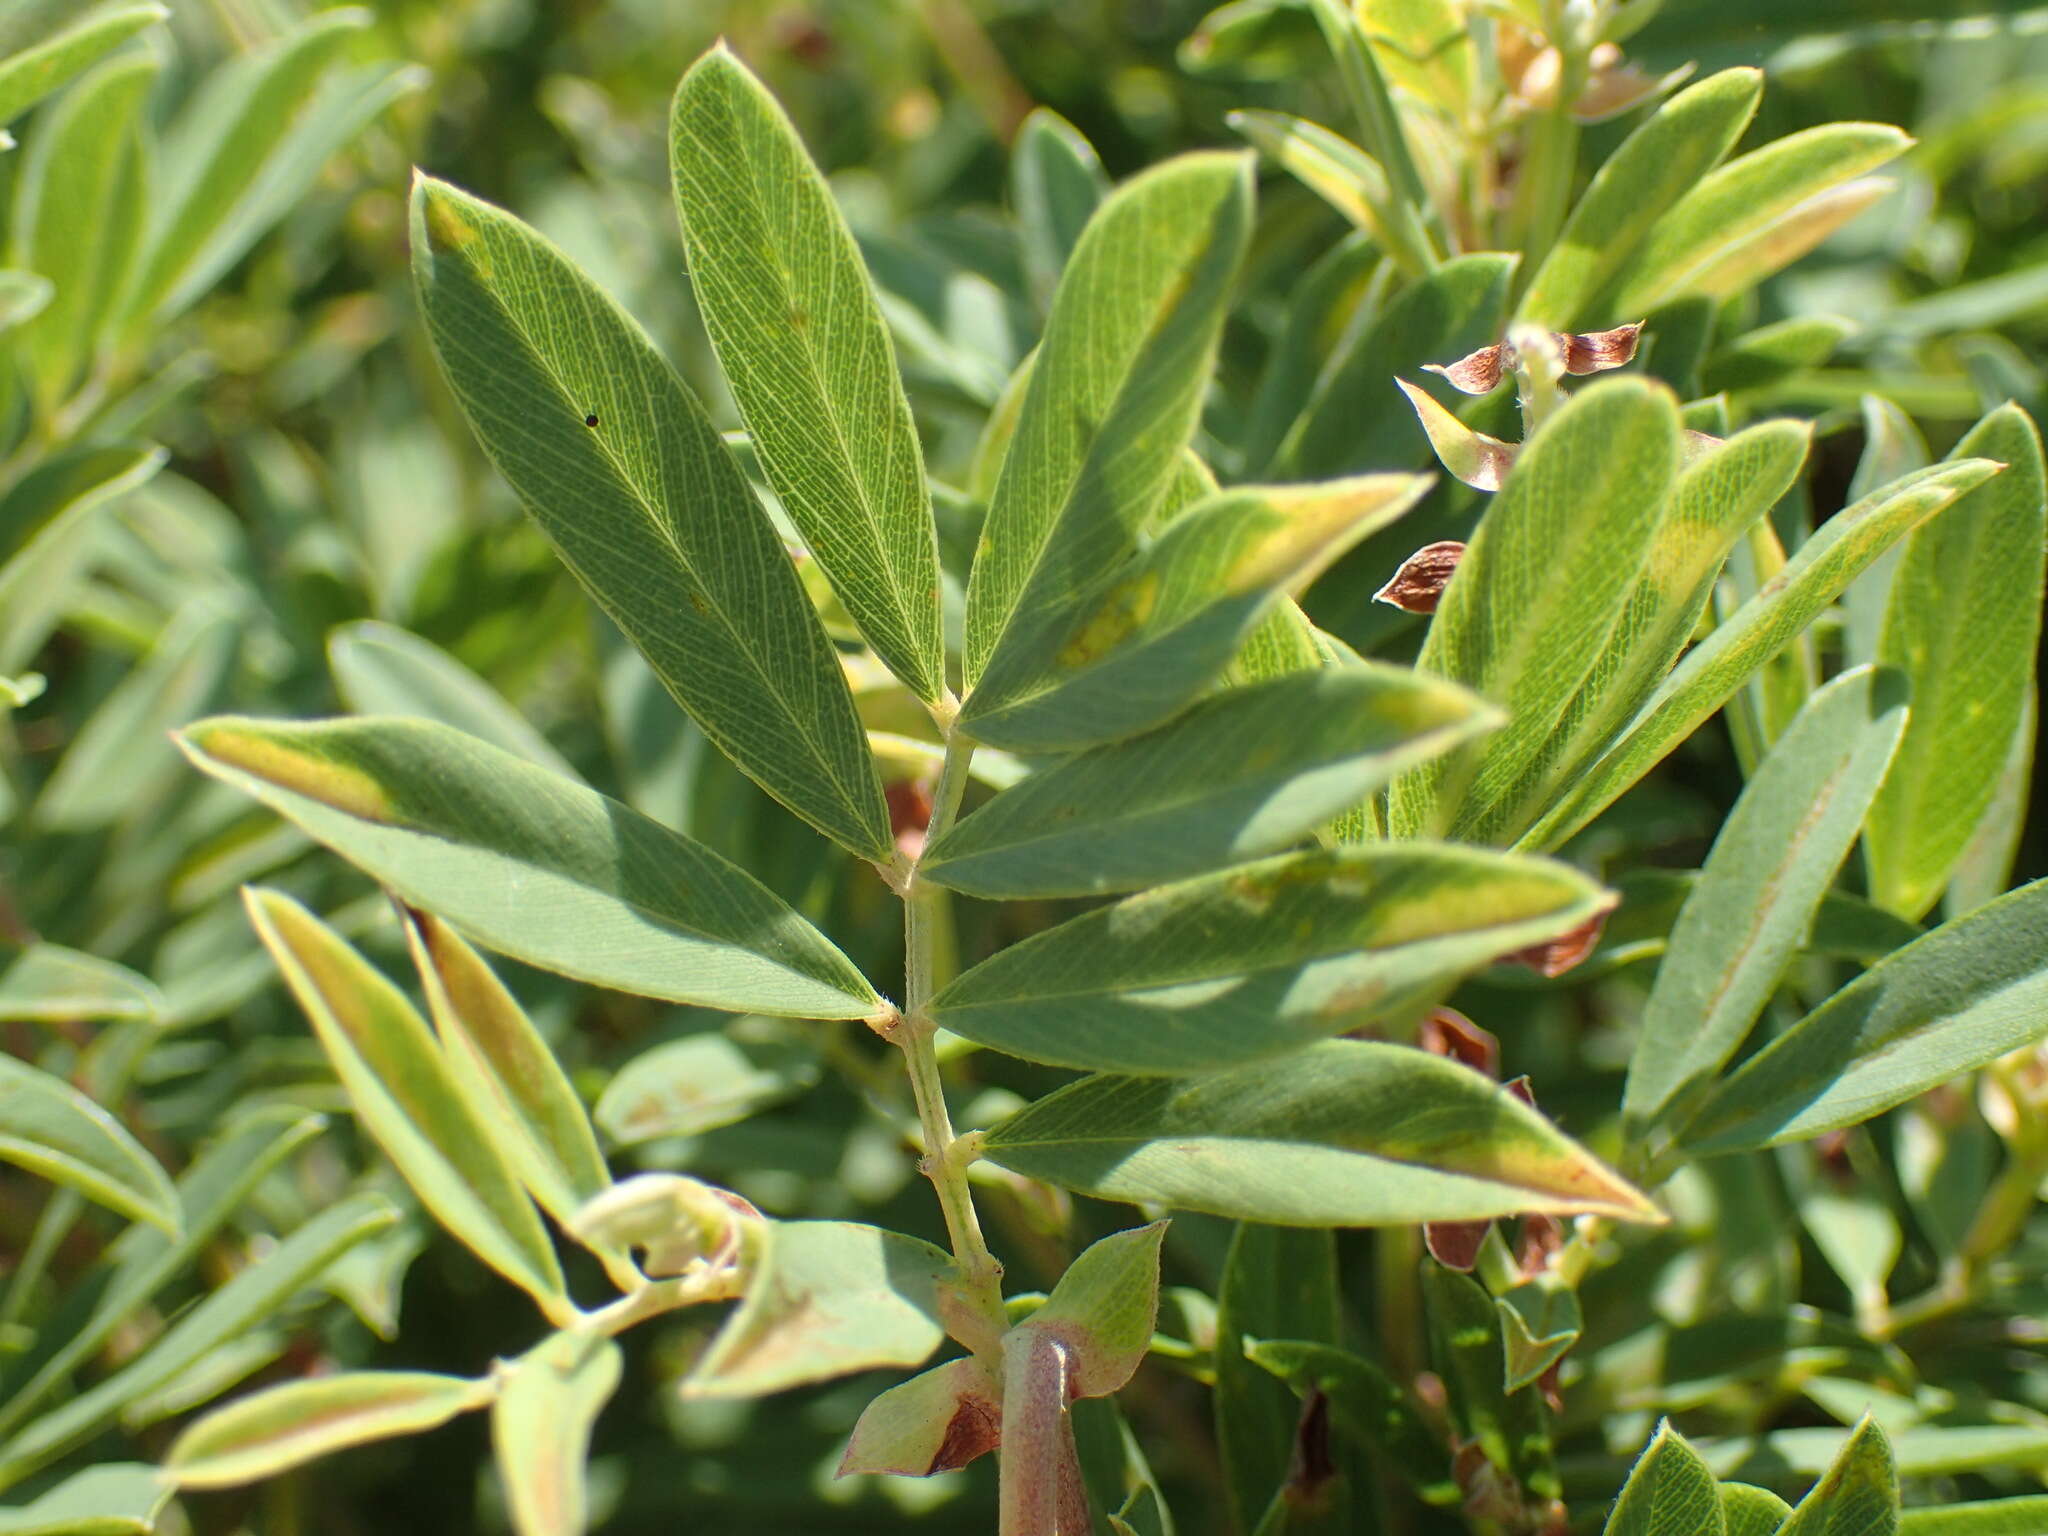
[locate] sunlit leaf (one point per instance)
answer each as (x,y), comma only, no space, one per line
(285,1426)
(1669,1492)
(32,73)
(548,1401)
(51,1129)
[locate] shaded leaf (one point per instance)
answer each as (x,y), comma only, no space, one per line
(1241,774)
(1369,1406)
(114,1499)
(548,1400)
(406,1098)
(49,984)
(1342,1133)
(46,65)
(1056,184)
(1128,651)
(648,507)
(1949,1002)
(1276,1281)
(826,1298)
(1257,961)
(1539,1323)
(51,1129)
(1773,860)
(286,1426)
(48,520)
(790,311)
(1747,1510)
(536,866)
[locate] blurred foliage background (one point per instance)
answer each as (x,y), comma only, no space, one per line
(321,494)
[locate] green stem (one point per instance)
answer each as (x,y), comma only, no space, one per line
(1543,191)
(926,929)
(1380,126)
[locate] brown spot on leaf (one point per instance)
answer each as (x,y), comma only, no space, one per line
(1418,586)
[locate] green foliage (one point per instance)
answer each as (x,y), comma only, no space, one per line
(872,634)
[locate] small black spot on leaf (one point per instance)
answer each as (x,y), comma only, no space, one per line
(590,420)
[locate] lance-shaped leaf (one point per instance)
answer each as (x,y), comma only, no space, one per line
(1113,396)
(1669,1492)
(1135,647)
(51,1129)
(1721,492)
(500,1065)
(1458,307)
(52,512)
(622,469)
(1369,1406)
(932,1423)
(1056,184)
(1775,857)
(50,984)
(77,204)
(1103,1309)
(115,1499)
(144,1259)
(536,866)
(1655,166)
(33,72)
(801,340)
(1478,460)
(826,1298)
(1758,213)
(1992,1517)
(1343,1133)
(1256,961)
(1946,1004)
(548,1401)
(400,1086)
(1772,353)
(381,669)
(1858,1494)
(1332,167)
(1539,590)
(1970,664)
(1240,775)
(253,1298)
(1827,562)
(286,1426)
(700,1082)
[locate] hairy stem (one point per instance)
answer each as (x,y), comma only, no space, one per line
(926,927)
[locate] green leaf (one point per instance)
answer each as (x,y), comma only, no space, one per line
(1130,649)
(1456,309)
(407,1099)
(285,1426)
(1328,164)
(1540,1321)
(1056,184)
(1893,445)
(1113,396)
(51,1129)
(1103,1308)
(381,669)
(253,1298)
(1539,590)
(1343,1133)
(793,318)
(219,153)
(548,1401)
(1425,49)
(120,762)
(144,1259)
(1970,664)
(2026,1516)
(498,1063)
(1752,1511)
(1946,1004)
(933,1422)
(1758,213)
(1669,1492)
(114,1499)
(1370,1407)
(49,984)
(49,526)
(1241,774)
(1774,859)
(1858,1495)
(648,507)
(699,1083)
(536,866)
(1762,627)
(1510,1428)
(1254,962)
(23,296)
(826,1298)
(75,209)
(1657,165)
(1773,353)
(1722,491)
(29,75)
(1276,1281)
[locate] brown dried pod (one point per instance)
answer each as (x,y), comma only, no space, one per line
(1418,586)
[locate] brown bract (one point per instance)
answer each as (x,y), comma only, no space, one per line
(1584,352)
(1560,954)
(1418,586)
